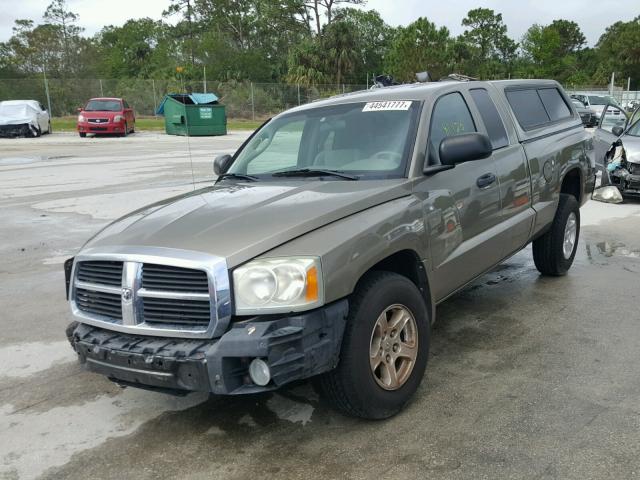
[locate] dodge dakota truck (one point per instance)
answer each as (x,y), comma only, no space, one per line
(328,239)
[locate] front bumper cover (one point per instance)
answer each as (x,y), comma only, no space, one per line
(100,128)
(18,130)
(295,347)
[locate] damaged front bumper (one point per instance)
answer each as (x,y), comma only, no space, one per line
(20,130)
(628,183)
(294,347)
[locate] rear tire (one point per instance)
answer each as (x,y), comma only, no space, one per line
(357,388)
(553,252)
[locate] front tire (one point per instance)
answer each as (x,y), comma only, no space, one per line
(384,349)
(553,252)
(82,134)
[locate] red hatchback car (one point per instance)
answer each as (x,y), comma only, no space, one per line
(106,115)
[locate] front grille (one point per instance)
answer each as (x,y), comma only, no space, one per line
(174,279)
(98,120)
(102,272)
(98,129)
(99,303)
(126,294)
(192,313)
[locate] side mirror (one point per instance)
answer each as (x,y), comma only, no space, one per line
(79,109)
(617,130)
(464,148)
(221,164)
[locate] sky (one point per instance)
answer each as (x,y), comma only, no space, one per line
(593,16)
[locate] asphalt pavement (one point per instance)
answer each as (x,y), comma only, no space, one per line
(529,377)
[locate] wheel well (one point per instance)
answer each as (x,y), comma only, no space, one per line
(571,184)
(408,264)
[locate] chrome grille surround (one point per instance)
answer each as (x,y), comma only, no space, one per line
(132,293)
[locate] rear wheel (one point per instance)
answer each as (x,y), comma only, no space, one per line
(384,349)
(553,253)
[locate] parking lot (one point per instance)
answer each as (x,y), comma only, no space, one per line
(529,377)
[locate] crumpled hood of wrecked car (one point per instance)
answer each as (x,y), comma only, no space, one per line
(239,221)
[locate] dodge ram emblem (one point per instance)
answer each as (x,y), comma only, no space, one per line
(127,294)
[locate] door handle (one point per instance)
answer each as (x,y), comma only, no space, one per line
(485,180)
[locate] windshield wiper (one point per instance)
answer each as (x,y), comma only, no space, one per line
(314,172)
(237,176)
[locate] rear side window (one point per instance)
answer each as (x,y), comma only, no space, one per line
(528,108)
(554,103)
(490,117)
(450,117)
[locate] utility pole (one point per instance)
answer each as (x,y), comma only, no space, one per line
(204,70)
(46,89)
(613,79)
(253,106)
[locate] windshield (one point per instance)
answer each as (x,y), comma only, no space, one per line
(103,106)
(366,139)
(600,100)
(635,129)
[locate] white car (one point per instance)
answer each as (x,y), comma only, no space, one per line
(23,118)
(597,103)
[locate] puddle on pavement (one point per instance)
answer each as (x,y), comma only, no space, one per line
(63,431)
(25,359)
(610,249)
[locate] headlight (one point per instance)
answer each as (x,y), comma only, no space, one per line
(278,285)
(118,118)
(81,118)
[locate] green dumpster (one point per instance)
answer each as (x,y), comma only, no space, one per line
(193,114)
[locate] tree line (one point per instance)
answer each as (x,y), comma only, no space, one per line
(312,42)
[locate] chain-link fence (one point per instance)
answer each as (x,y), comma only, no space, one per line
(242,99)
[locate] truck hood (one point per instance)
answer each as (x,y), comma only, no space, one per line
(239,221)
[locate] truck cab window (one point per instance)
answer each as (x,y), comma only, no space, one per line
(554,103)
(491,118)
(528,108)
(450,117)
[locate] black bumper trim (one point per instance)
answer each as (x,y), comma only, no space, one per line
(295,347)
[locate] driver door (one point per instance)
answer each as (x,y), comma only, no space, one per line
(461,205)
(611,117)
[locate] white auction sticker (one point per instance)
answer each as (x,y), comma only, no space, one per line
(388,105)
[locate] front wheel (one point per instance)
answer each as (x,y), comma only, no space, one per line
(82,134)
(384,349)
(553,252)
